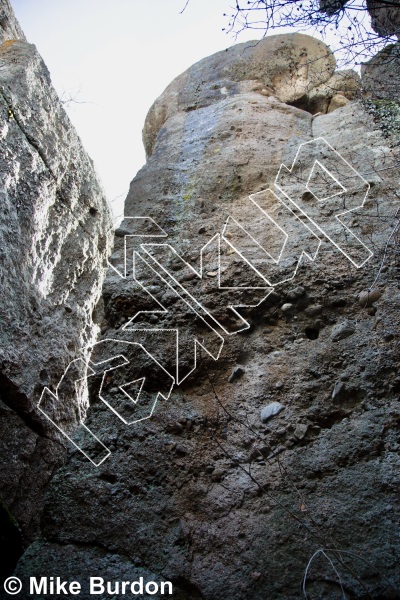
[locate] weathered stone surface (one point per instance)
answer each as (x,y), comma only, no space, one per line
(381,75)
(203,493)
(10,29)
(346,84)
(385,17)
(109,568)
(54,242)
(286,66)
(207,161)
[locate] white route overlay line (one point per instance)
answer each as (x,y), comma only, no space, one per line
(195,305)
(284,169)
(140,222)
(90,372)
(56,399)
(121,387)
(128,326)
(343,189)
(310,257)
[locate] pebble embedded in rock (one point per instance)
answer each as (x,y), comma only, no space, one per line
(271,410)
(176,428)
(318,324)
(296,293)
(301,431)
(338,390)
(236,373)
(342,330)
(313,310)
(121,232)
(181,450)
(286,307)
(368,297)
(188,277)
(218,474)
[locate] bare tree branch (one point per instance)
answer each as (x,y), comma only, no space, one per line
(184,8)
(348,22)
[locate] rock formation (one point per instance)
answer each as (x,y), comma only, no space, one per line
(381,74)
(385,17)
(54,242)
(275,461)
(9,27)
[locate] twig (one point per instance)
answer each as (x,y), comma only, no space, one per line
(385,251)
(315,531)
(304,586)
(184,8)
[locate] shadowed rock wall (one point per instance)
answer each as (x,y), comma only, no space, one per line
(282,453)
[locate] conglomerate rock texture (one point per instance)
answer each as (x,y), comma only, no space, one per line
(54,242)
(278,461)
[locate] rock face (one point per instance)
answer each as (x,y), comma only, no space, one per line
(54,243)
(296,64)
(385,17)
(9,27)
(204,493)
(381,75)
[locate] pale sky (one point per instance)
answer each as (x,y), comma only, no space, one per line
(116,57)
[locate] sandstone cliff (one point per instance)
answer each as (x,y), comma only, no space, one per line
(54,242)
(277,455)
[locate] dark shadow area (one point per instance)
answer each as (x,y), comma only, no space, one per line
(10,543)
(312,333)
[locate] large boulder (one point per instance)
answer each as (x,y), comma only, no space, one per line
(286,66)
(340,88)
(385,16)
